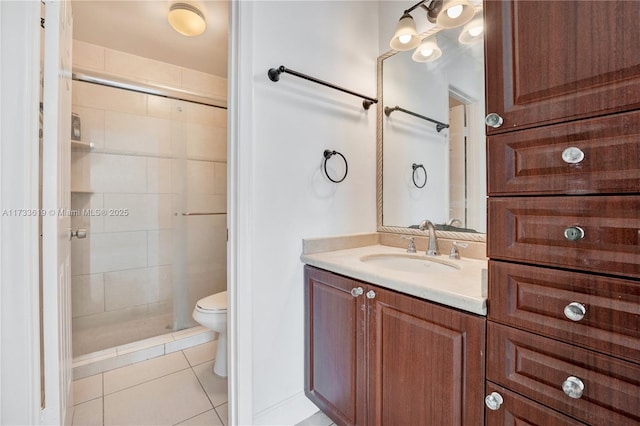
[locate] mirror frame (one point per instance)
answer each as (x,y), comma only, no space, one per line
(458,236)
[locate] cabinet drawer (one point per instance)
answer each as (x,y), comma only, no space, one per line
(531,161)
(535,299)
(516,410)
(535,230)
(536,367)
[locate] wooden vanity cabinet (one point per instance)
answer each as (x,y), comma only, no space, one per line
(558,61)
(563,179)
(379,357)
(335,346)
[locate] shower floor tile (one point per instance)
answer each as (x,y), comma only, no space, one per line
(165,390)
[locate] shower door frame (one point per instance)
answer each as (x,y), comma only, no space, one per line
(110,81)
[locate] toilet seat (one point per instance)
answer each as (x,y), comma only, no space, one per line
(214,303)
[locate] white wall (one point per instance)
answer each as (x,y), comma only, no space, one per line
(293,122)
(19,328)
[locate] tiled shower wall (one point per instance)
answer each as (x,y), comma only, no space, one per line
(144,264)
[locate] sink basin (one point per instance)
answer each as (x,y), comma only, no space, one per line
(410,263)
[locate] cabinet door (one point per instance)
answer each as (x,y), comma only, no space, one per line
(334,346)
(426,363)
(555,61)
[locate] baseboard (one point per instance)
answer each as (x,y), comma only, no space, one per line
(291,411)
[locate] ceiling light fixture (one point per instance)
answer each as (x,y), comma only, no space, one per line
(186,19)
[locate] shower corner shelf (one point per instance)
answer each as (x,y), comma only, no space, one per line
(80,145)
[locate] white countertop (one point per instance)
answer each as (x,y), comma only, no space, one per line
(464,288)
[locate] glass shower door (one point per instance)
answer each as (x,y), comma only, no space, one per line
(200,205)
(144,166)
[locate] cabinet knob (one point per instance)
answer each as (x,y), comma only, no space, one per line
(574,233)
(575,311)
(573,387)
(493,120)
(357,291)
(493,401)
(572,155)
(371,294)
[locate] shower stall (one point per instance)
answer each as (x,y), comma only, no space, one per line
(148,182)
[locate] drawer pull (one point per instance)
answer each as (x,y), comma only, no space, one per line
(493,120)
(574,233)
(356,291)
(493,401)
(573,387)
(575,311)
(572,155)
(371,294)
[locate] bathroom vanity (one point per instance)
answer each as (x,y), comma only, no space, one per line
(562,310)
(379,352)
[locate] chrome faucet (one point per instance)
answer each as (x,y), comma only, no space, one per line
(412,244)
(433,239)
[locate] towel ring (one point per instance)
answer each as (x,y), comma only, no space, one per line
(415,167)
(328,154)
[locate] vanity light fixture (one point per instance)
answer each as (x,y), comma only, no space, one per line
(455,13)
(472,32)
(427,51)
(186,19)
(406,37)
(443,13)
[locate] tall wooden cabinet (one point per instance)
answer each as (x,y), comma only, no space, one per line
(379,357)
(563,170)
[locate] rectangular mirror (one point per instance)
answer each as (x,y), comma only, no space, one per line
(431,139)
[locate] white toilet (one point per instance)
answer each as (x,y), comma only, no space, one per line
(211,312)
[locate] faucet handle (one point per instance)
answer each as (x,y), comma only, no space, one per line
(454,222)
(412,244)
(454,253)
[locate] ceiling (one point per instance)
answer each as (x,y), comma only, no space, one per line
(140,27)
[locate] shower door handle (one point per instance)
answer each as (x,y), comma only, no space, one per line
(79,233)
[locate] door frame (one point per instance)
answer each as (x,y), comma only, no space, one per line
(56,352)
(20,384)
(239,208)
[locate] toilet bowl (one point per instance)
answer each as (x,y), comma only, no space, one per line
(211,312)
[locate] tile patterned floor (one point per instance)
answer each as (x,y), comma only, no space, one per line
(318,419)
(175,389)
